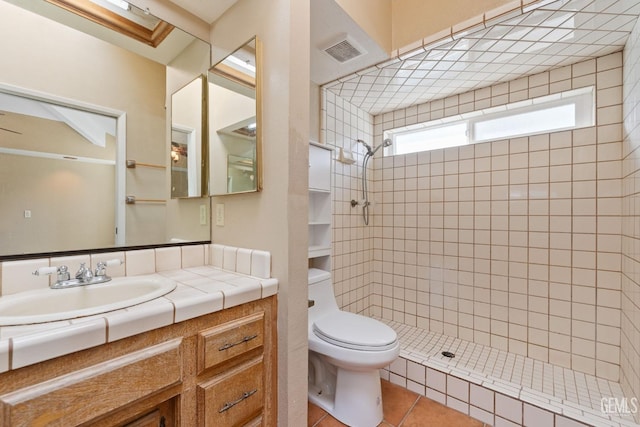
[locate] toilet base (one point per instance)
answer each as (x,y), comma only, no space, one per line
(356,398)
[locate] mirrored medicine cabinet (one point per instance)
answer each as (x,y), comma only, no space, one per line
(235,128)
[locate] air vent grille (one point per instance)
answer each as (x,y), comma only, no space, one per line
(343,51)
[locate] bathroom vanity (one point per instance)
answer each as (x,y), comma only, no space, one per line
(189,373)
(202,355)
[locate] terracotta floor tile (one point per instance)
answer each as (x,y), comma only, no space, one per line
(314,414)
(396,402)
(427,413)
(329,421)
(402,408)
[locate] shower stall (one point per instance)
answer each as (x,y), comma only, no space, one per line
(500,260)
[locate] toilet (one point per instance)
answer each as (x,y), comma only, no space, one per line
(346,351)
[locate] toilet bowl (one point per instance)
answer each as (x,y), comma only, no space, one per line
(346,351)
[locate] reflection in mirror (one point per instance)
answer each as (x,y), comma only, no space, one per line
(187,141)
(235,143)
(93,67)
(51,153)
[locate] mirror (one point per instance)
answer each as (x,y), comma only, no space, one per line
(235,142)
(64,182)
(187,140)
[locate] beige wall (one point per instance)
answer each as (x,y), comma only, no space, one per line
(374,17)
(394,24)
(276,218)
(414,20)
(314,112)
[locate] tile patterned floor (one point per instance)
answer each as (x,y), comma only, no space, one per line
(402,408)
(547,386)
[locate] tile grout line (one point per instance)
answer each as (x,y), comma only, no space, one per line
(408,412)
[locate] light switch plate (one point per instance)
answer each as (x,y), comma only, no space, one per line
(203,214)
(220,214)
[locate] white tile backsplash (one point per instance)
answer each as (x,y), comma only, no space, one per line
(193,256)
(229,257)
(244,261)
(168,258)
(17,276)
(261,264)
(140,262)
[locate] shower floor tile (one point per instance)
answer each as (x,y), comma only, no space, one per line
(552,387)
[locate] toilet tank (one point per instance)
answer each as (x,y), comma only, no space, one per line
(321,293)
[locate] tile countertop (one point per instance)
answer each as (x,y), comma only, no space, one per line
(200,290)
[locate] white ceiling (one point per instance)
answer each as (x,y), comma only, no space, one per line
(329,23)
(519,43)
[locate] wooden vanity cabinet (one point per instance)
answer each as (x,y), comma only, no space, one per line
(215,370)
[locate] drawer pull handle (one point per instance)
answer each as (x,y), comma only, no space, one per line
(242,341)
(244,396)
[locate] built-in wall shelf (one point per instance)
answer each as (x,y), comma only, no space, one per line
(320,206)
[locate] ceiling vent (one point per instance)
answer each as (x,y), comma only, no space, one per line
(344,49)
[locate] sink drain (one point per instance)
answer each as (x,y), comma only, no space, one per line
(448,354)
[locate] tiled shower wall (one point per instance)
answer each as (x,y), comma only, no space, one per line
(352,241)
(630,327)
(513,244)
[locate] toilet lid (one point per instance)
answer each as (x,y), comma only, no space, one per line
(354,331)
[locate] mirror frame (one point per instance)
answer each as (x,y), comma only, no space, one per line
(204,138)
(259,122)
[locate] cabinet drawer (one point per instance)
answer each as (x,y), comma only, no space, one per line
(228,340)
(82,395)
(233,398)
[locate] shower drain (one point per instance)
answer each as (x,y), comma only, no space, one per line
(448,354)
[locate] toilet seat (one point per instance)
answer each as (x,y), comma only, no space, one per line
(356,332)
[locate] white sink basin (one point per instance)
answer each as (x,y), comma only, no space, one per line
(47,305)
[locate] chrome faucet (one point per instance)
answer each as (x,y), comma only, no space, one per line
(84,276)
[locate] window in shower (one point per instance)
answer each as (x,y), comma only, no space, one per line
(562,111)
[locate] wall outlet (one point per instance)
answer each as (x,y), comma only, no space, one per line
(203,214)
(220,214)
(27,213)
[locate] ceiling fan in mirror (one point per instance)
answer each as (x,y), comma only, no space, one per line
(6,129)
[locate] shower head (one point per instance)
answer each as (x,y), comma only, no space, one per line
(372,151)
(367,146)
(387,142)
